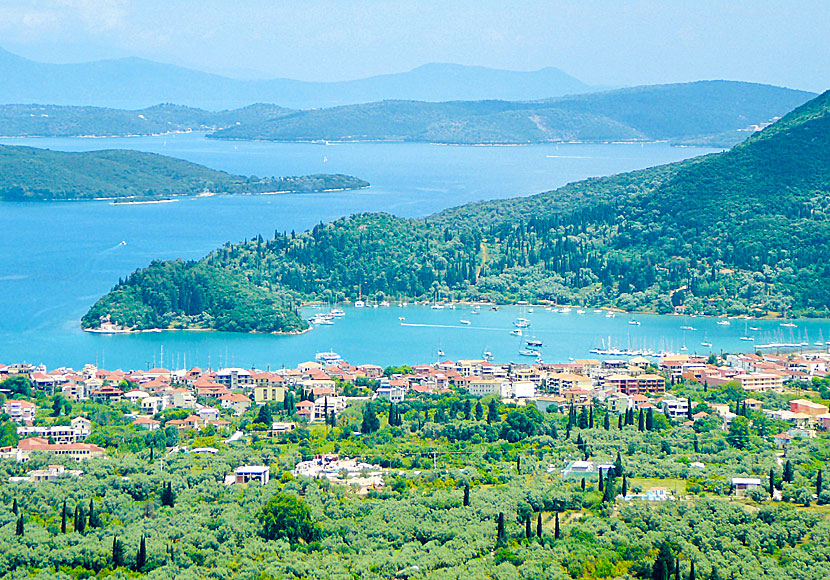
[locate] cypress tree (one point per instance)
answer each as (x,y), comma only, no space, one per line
(168,496)
(620,422)
(624,486)
(63,518)
(466,494)
(141,556)
(80,521)
(492,412)
(15,509)
(467,409)
(583,484)
(788,471)
(606,422)
(610,492)
(152,455)
(539,526)
(677,569)
(117,552)
(692,570)
(641,422)
(500,533)
(519,464)
(18,531)
(618,466)
(93,517)
(819,483)
(771,482)
(591,418)
(689,409)
(479,411)
(650,420)
(664,564)
(600,480)
(696,445)
(528,532)
(556,532)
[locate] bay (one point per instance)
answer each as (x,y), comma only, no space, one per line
(58,258)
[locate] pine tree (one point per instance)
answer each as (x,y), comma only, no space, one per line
(466,494)
(117,552)
(18,531)
(539,525)
(501,535)
(788,471)
(63,518)
(664,564)
(556,527)
(141,556)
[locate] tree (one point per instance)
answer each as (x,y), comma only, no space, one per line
(141,555)
(492,412)
(117,552)
(264,416)
(606,422)
(650,420)
(466,501)
(370,423)
(600,480)
(620,422)
(641,422)
(501,536)
(288,517)
(519,464)
(689,409)
(819,483)
(539,525)
(94,519)
(556,531)
(624,486)
(771,483)
(15,509)
(591,418)
(467,409)
(738,435)
(479,411)
(788,472)
(168,496)
(63,518)
(610,491)
(8,434)
(18,531)
(618,466)
(80,519)
(528,531)
(582,421)
(664,564)
(692,570)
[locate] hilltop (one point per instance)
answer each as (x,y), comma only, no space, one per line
(32,174)
(710,112)
(745,231)
(135,83)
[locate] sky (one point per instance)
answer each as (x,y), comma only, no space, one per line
(608,43)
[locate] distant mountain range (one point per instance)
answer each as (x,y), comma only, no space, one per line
(712,113)
(134,83)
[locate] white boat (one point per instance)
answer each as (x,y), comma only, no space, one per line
(748,338)
(336,312)
(565,309)
(610,314)
(462,321)
(754,328)
(401,318)
(534,343)
(516,332)
(723,322)
(359,304)
(688,328)
(521,323)
(440,352)
(321,320)
(530,310)
(706,344)
(384,303)
(437,306)
(328,358)
(580,311)
(789,324)
(530,352)
(488,356)
(634,322)
(598,311)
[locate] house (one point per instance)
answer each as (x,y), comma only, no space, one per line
(479,387)
(328,405)
(208,413)
(52,473)
(191,422)
(152,405)
(742,485)
(760,382)
(76,451)
(391,394)
(106,394)
(147,423)
(782,440)
(524,389)
(20,411)
(270,393)
(237,402)
(675,407)
(808,407)
(305,409)
(249,473)
(278,428)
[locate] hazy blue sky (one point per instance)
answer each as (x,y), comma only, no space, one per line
(608,43)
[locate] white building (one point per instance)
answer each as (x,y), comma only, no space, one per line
(391,394)
(20,411)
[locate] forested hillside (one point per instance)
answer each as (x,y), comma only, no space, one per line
(717,112)
(31,174)
(745,231)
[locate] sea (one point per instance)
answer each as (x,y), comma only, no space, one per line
(58,258)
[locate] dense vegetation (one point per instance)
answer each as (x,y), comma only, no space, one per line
(745,231)
(713,112)
(30,174)
(473,490)
(63,121)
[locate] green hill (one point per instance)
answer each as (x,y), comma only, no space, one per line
(31,174)
(745,231)
(714,112)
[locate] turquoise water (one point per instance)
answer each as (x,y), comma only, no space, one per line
(58,258)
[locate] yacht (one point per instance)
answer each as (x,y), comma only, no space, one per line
(748,338)
(565,309)
(789,324)
(521,322)
(462,321)
(610,314)
(706,344)
(580,311)
(516,332)
(337,313)
(530,352)
(359,304)
(634,322)
(533,342)
(723,322)
(488,356)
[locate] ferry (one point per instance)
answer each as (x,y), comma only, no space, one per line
(328,358)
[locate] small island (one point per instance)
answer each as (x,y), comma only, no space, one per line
(33,174)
